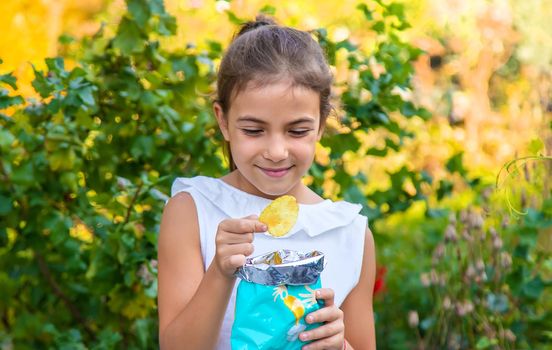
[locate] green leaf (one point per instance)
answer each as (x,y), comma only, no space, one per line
(445,188)
(57,160)
(129,38)
(6,139)
(157,6)
(66,39)
(377,152)
(397,10)
(424,113)
(366,11)
(408,109)
(86,95)
(5,205)
(533,289)
(456,164)
(484,343)
(379,27)
(142,329)
(268,10)
(167,25)
(8,101)
(41,84)
(536,146)
(55,64)
(143,146)
(353,194)
(235,19)
(9,79)
(24,174)
(140,12)
(108,339)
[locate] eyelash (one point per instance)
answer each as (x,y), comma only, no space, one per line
(293,132)
(299,132)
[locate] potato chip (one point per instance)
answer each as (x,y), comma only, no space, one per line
(280,215)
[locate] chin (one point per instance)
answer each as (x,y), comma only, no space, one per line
(274,191)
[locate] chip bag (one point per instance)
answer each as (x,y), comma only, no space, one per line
(274,295)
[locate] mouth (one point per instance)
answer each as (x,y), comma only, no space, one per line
(275,172)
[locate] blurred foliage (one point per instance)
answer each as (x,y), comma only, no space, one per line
(87,158)
(470,274)
(31,29)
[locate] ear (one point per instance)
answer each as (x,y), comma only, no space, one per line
(221,120)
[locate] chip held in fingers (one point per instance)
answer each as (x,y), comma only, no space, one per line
(280,215)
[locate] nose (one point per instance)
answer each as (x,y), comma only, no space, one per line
(276,150)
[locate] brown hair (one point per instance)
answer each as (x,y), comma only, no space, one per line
(263,52)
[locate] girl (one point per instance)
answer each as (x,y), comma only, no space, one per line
(273,100)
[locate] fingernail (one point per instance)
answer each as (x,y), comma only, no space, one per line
(304,336)
(264,228)
(309,319)
(317,293)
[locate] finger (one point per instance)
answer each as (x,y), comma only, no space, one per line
(242,226)
(324,331)
(235,261)
(245,249)
(325,314)
(233,238)
(333,342)
(326,294)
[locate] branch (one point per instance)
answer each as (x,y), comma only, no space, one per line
(134,198)
(43,267)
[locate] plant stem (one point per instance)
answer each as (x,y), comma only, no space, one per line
(134,198)
(45,271)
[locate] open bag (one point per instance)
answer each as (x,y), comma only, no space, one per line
(274,295)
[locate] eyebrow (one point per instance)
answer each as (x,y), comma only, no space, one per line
(248,118)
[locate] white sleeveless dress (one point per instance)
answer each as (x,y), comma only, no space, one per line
(334,228)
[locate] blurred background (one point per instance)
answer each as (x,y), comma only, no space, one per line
(443,132)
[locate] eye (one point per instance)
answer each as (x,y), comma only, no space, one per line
(251,131)
(300,132)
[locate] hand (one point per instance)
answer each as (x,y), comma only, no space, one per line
(331,334)
(234,242)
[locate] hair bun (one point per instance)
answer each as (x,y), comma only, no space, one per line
(260,21)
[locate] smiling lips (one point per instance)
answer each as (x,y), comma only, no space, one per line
(275,172)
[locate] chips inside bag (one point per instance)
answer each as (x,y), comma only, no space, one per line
(274,295)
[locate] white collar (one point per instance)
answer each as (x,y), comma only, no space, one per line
(313,219)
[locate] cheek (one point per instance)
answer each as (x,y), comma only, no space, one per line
(242,148)
(306,148)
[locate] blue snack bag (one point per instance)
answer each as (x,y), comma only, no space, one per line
(274,296)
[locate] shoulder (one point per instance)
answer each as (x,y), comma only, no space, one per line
(189,184)
(179,219)
(180,203)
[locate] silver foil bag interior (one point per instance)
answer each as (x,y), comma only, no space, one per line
(283,267)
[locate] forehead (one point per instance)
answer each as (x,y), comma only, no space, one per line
(277,100)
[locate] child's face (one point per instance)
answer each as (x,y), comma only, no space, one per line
(272,131)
